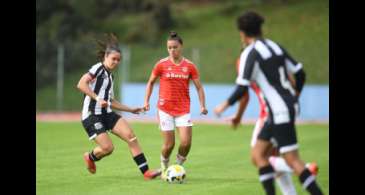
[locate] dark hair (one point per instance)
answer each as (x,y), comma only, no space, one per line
(250,23)
(108,44)
(173,36)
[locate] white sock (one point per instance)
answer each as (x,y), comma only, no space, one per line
(279,164)
(164,162)
(285,183)
(180,159)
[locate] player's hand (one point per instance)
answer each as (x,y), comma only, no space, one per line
(234,120)
(137,110)
(146,107)
(103,103)
(203,110)
(218,110)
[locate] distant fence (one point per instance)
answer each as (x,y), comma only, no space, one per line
(314,101)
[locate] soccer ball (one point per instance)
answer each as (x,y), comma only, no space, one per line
(175,174)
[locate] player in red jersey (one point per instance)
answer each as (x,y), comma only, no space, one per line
(175,72)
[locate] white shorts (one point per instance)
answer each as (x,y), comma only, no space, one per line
(259,124)
(168,122)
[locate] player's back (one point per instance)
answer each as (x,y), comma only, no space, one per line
(271,73)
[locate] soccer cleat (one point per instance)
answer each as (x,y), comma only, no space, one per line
(150,174)
(312,167)
(89,163)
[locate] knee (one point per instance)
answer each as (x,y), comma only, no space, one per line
(258,158)
(168,145)
(185,144)
(107,149)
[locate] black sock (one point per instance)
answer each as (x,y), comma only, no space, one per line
(309,182)
(92,156)
(141,162)
(267,179)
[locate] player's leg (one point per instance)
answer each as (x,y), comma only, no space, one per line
(283,173)
(266,171)
(185,134)
(184,126)
(280,165)
(285,135)
(104,147)
(257,129)
(96,130)
(168,144)
(167,127)
(125,132)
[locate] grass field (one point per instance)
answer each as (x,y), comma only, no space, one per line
(218,163)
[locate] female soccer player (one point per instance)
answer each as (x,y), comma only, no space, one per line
(97,115)
(282,171)
(174,72)
(268,64)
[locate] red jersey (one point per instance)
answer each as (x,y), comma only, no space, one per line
(174,97)
(260,96)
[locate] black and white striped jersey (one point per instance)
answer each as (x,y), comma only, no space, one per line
(267,64)
(102,85)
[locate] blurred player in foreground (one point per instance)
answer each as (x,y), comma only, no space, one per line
(267,64)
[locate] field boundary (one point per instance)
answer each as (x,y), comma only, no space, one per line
(76,117)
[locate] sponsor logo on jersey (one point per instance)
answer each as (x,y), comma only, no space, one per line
(179,76)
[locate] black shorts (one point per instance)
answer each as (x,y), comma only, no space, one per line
(96,124)
(283,134)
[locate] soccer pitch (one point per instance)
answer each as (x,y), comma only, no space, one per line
(218,163)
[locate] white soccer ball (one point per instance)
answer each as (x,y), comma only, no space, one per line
(175,174)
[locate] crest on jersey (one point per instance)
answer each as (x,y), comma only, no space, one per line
(169,68)
(184,69)
(98,125)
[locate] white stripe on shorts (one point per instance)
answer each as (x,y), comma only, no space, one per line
(288,148)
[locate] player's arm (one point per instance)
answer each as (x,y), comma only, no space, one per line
(236,120)
(121,107)
(295,69)
(201,94)
(149,89)
(236,95)
(242,82)
(83,86)
(299,81)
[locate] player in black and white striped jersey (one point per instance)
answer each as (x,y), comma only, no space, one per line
(268,65)
(98,117)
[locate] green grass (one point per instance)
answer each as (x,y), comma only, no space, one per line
(218,163)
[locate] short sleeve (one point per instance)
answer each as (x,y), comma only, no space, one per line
(157,69)
(194,73)
(291,64)
(246,67)
(94,70)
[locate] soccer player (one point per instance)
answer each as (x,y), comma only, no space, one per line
(98,118)
(268,64)
(282,170)
(175,72)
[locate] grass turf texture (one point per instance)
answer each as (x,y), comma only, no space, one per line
(218,162)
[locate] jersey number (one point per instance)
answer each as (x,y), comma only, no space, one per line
(285,82)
